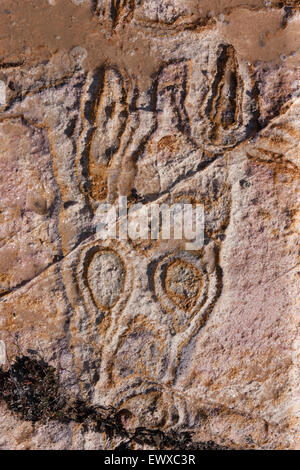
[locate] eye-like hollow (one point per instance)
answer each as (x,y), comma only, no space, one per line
(105,112)
(183,283)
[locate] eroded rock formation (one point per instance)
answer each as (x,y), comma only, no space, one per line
(164,103)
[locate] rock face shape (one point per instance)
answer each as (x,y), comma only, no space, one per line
(162,103)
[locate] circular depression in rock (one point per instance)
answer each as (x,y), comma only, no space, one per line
(105,278)
(183,283)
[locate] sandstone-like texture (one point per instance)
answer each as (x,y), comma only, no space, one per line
(164,102)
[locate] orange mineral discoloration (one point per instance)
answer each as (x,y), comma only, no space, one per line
(65,26)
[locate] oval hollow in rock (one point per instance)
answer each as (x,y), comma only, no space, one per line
(105,277)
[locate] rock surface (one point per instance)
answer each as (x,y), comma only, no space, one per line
(162,102)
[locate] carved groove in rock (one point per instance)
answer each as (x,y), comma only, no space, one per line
(114,10)
(105,113)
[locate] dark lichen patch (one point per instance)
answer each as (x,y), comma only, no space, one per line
(168,441)
(32,391)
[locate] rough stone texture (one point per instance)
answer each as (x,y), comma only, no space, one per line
(193,101)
